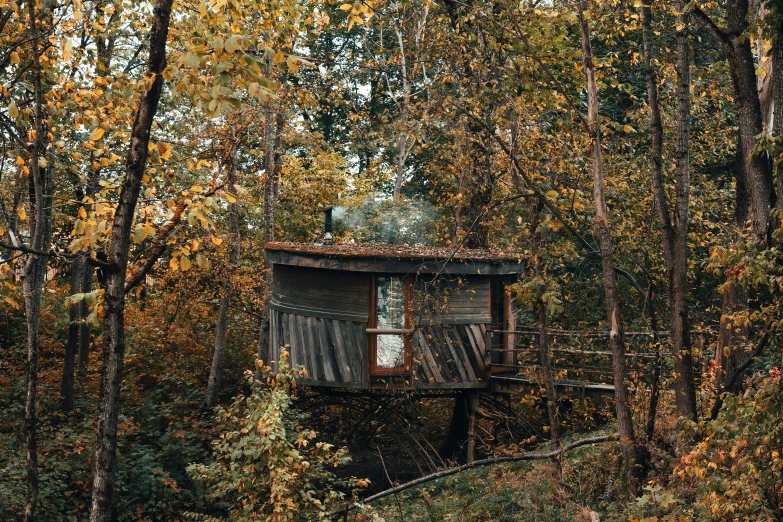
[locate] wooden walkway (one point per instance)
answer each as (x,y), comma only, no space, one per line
(513,382)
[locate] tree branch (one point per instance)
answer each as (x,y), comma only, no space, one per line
(475,464)
(54,253)
(731,380)
(721,36)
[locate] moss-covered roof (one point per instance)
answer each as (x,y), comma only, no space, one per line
(388,251)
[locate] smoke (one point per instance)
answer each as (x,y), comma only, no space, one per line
(380,220)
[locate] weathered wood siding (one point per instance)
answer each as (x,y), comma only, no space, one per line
(447,356)
(463,300)
(332,351)
(312,292)
(322,316)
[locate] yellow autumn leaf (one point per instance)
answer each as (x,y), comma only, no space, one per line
(173,263)
(184,262)
(292,62)
(22,214)
(13,112)
(232,44)
(67,50)
(97,134)
(229,197)
(216,240)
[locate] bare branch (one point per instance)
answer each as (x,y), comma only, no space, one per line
(472,465)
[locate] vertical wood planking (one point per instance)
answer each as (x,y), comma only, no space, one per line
(464,352)
(470,335)
(284,321)
(427,361)
(308,350)
(274,349)
(455,355)
(331,368)
(335,336)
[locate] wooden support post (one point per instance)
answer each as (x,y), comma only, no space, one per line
(471,404)
(487,350)
(510,339)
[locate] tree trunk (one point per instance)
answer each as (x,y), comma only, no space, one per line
(101,509)
(547,373)
(460,441)
(213,384)
(616,335)
(674,230)
(41,181)
(273,145)
(679,320)
(656,131)
(66,386)
(777,109)
(732,338)
(736,46)
(459,228)
(84,326)
(483,187)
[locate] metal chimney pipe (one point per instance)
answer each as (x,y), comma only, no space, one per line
(328,238)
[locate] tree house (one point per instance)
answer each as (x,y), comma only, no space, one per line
(376,316)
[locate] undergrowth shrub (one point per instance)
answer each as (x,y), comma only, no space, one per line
(267,465)
(734,470)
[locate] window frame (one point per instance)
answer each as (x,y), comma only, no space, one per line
(372,327)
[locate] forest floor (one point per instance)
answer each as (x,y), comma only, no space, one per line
(405,447)
(516,492)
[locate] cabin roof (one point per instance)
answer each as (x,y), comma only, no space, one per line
(382,257)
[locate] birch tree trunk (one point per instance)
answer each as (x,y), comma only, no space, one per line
(616,334)
(101,508)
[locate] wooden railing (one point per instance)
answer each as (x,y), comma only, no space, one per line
(579,356)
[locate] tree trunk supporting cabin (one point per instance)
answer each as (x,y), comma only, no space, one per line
(461,441)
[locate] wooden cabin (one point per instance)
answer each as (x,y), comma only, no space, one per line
(370,316)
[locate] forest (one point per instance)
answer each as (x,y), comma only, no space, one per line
(591,192)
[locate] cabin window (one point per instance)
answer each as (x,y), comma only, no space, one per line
(389,329)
